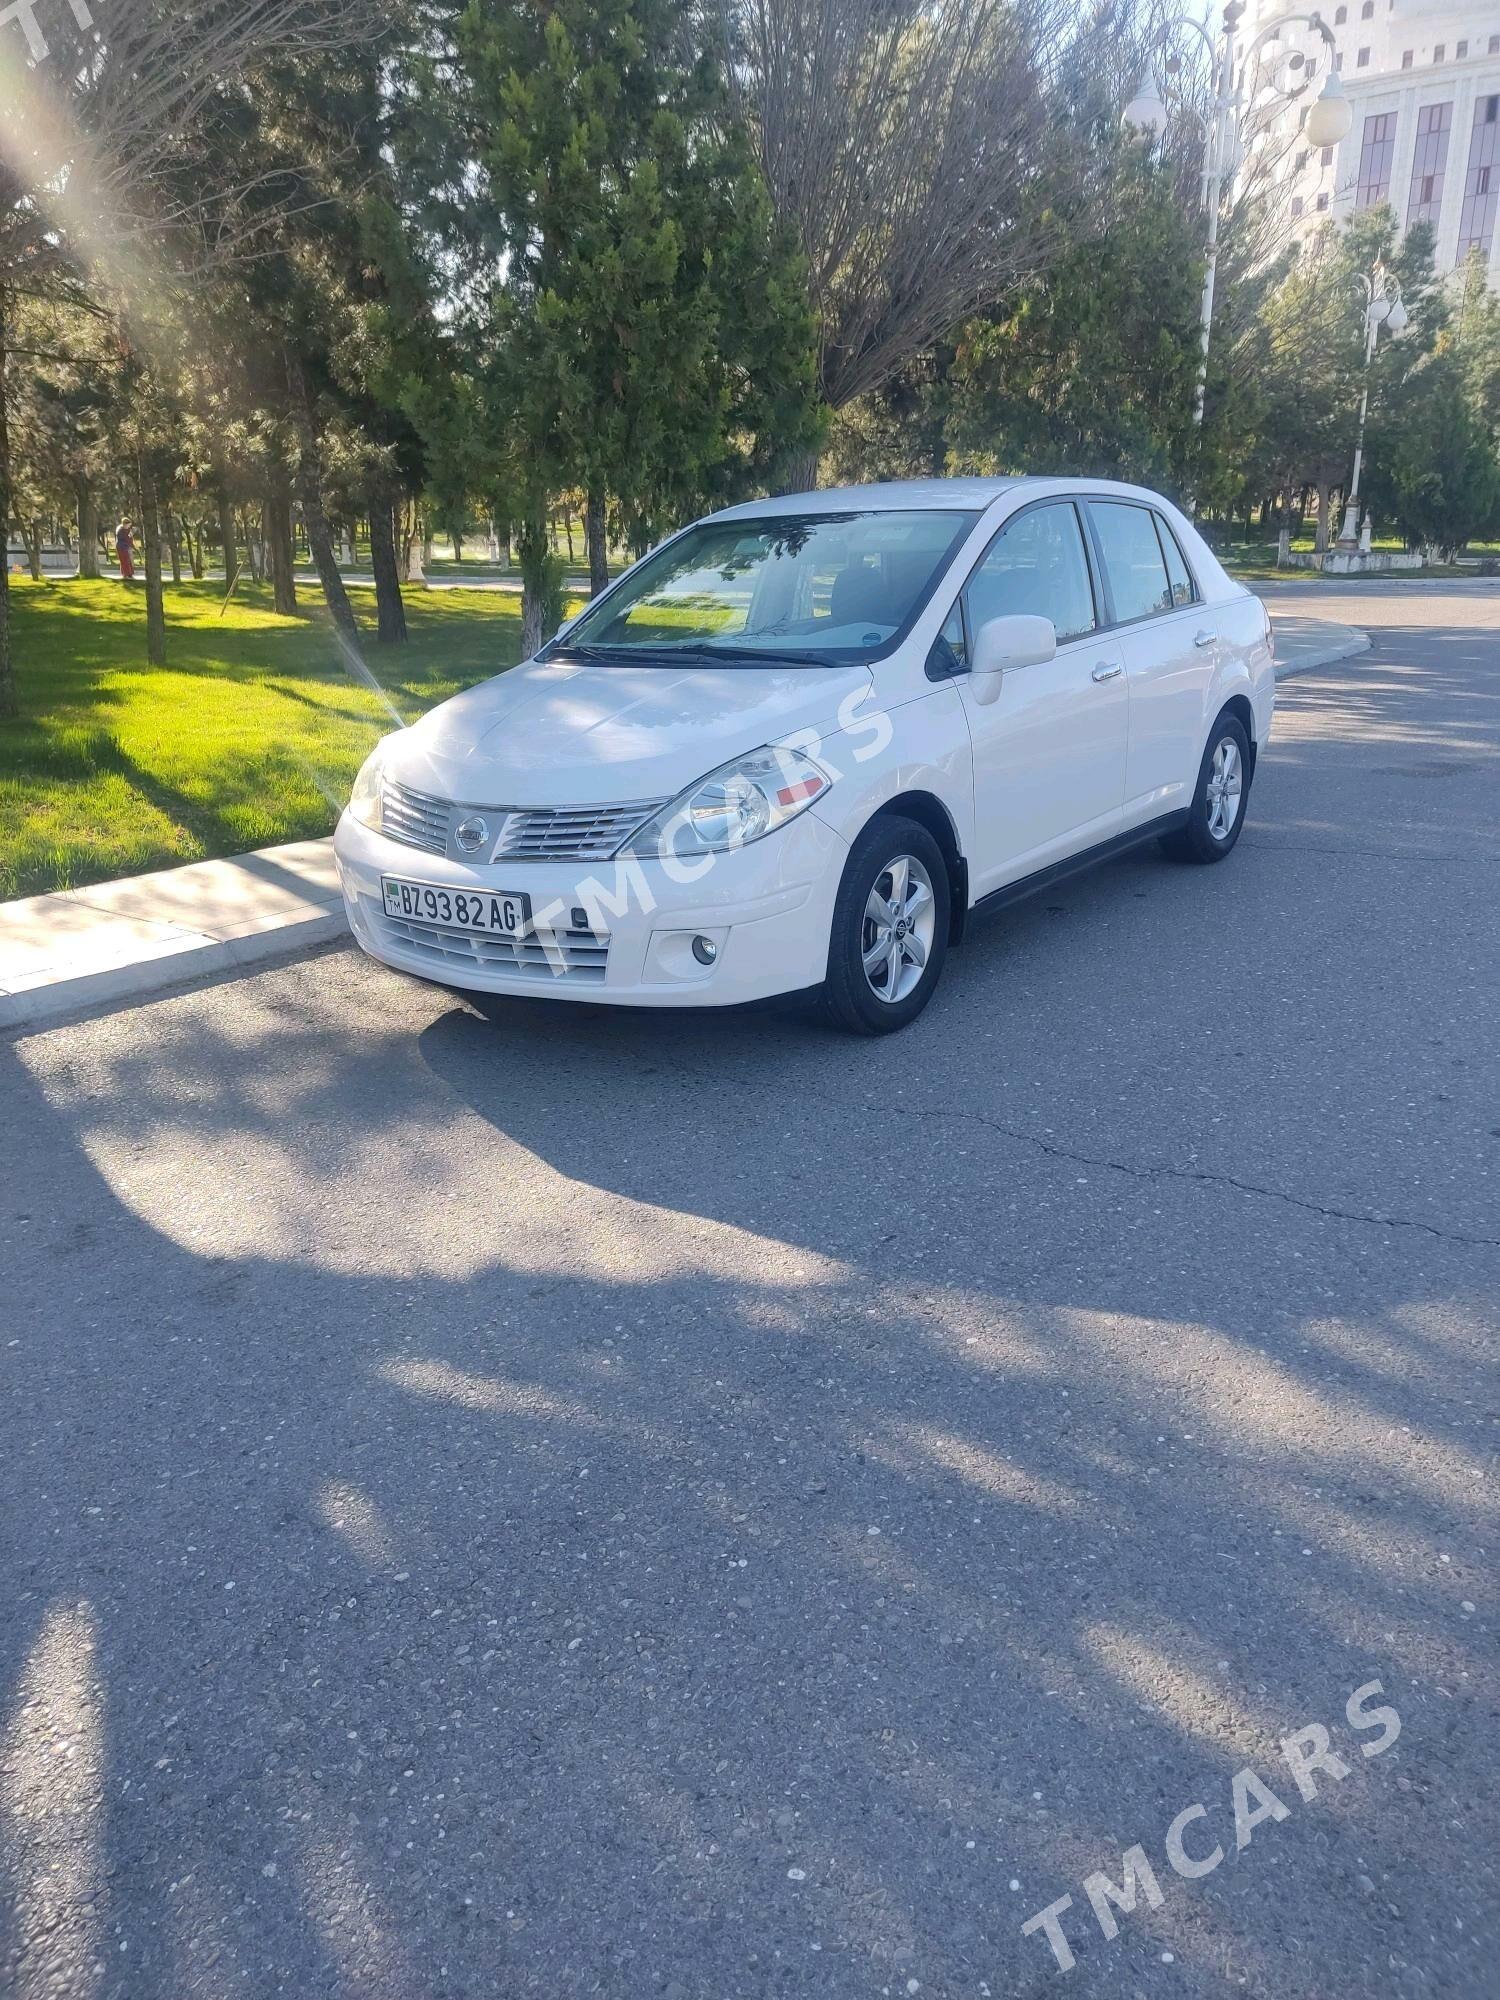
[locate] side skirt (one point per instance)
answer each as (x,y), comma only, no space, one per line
(1075,864)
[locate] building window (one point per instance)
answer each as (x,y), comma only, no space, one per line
(1476,221)
(1461,49)
(1322,201)
(1406,55)
(1326,156)
(1376,147)
(1363,61)
(1340,16)
(1367,12)
(1338,61)
(1439,52)
(1429,162)
(1495,45)
(1296,204)
(1301,161)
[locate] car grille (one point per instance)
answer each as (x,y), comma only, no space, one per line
(581,958)
(413,818)
(573,833)
(546,833)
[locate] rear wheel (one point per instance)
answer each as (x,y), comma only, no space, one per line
(890,929)
(1223,791)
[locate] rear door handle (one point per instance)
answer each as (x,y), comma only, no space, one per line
(1108,670)
(1203,638)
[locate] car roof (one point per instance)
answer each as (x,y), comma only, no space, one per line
(924,495)
(917,495)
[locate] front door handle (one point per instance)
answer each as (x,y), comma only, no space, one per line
(1108,670)
(1203,638)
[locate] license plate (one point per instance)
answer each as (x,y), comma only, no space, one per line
(490,912)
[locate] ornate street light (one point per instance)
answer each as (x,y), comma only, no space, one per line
(1236,81)
(1383,308)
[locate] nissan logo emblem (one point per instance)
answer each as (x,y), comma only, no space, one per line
(471,834)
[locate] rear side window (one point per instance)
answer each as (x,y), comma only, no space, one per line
(1178,574)
(1036,564)
(1133,561)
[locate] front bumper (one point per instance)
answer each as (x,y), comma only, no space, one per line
(768,908)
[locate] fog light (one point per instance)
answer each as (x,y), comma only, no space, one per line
(705,950)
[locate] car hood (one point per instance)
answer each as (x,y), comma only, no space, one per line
(558,733)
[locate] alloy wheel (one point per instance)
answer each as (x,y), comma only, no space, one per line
(1225,785)
(899,922)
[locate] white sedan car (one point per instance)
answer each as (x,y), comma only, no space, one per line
(800,743)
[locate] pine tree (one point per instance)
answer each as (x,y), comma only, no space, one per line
(647,340)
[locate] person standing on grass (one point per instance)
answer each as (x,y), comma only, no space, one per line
(125,549)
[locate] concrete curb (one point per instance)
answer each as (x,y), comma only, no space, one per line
(1345,646)
(119,942)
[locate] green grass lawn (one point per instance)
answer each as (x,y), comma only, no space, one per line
(250,735)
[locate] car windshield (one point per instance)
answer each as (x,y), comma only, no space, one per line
(815,589)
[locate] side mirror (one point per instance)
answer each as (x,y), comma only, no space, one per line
(1021,640)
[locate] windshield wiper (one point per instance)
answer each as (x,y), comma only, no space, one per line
(771,656)
(691,652)
(624,656)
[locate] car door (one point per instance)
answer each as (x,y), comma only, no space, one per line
(1170,648)
(1049,750)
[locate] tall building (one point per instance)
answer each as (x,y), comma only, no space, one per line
(1423,80)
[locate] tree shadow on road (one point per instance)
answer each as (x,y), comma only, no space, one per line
(621,1504)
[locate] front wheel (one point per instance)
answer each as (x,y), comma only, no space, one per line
(1219,800)
(890,929)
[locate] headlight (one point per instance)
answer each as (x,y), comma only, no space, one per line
(738,803)
(364,800)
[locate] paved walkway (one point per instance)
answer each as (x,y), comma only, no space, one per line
(83,948)
(1305,643)
(120,941)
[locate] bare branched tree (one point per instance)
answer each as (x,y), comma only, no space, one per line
(919,152)
(112,182)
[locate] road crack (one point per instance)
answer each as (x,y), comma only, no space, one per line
(1137,1171)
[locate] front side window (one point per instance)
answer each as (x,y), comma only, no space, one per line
(952,648)
(1133,561)
(816,589)
(1035,564)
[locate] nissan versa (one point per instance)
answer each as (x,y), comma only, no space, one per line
(800,742)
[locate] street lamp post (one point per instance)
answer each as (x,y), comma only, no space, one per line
(1383,308)
(1235,81)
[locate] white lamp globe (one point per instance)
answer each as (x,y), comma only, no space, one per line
(1331,118)
(1397,319)
(1145,112)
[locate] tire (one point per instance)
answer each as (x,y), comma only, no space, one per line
(1210,834)
(887,854)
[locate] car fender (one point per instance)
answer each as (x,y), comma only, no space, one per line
(926,749)
(1246,666)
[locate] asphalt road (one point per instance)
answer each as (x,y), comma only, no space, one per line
(540,1501)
